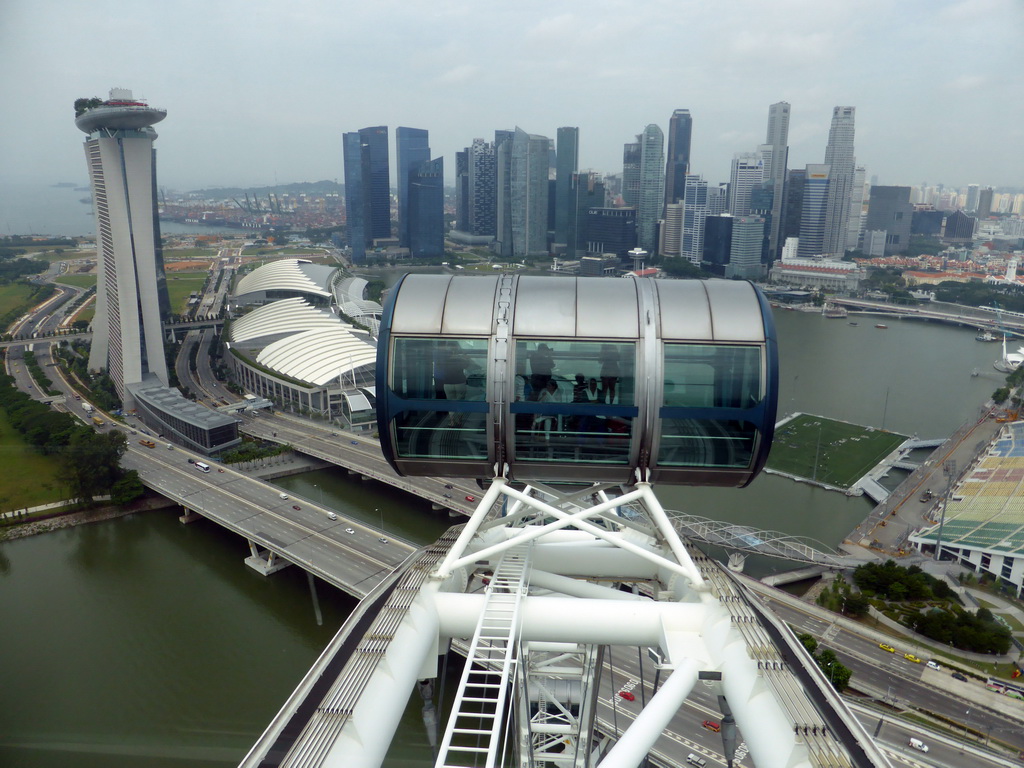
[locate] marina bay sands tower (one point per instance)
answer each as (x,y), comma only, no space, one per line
(131,289)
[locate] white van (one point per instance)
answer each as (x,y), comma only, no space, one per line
(284,495)
(693,759)
(919,745)
(933,665)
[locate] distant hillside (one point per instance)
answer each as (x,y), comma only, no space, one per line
(302,187)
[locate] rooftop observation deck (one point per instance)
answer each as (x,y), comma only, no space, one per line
(119,116)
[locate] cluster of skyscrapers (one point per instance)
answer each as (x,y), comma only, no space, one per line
(368,192)
(524,195)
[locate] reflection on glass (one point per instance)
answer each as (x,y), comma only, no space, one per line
(583,439)
(440,435)
(706,443)
(573,365)
(439,369)
(708,377)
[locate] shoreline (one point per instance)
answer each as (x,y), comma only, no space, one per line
(61,520)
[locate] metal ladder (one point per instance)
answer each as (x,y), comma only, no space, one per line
(479,706)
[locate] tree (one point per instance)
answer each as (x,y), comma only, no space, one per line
(127,489)
(808,641)
(856,605)
(837,673)
(91,463)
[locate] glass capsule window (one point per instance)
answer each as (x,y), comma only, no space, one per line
(444,384)
(439,369)
(573,401)
(707,389)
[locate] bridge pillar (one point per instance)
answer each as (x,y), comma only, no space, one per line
(188,516)
(264,561)
(736,561)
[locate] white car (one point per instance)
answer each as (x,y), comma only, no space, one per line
(933,665)
(919,745)
(349,530)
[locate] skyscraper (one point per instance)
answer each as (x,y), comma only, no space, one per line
(566,164)
(984,203)
(840,159)
(425,214)
(476,194)
(652,186)
(367,188)
(587,192)
(778,139)
(522,194)
(412,148)
(889,210)
(855,226)
(677,165)
(814,209)
(695,211)
(131,289)
(631,173)
(748,171)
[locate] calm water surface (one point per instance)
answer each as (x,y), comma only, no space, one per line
(145,642)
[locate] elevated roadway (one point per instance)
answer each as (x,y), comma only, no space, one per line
(954,314)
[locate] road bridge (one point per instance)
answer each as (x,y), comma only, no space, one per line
(955,314)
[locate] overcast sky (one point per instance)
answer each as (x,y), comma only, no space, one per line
(259,92)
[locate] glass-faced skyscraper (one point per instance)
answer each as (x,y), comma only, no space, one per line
(413,149)
(566,165)
(131,290)
(817,193)
(677,165)
(426,209)
(778,139)
(652,186)
(367,188)
(523,163)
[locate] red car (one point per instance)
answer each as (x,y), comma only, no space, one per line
(296,506)
(627,695)
(711,725)
(471,498)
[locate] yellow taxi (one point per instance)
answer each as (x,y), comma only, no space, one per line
(888,648)
(911,657)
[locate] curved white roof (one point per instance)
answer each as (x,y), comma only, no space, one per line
(318,355)
(293,315)
(288,275)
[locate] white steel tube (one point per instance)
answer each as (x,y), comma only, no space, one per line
(479,514)
(633,746)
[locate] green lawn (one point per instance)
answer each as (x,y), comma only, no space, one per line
(14,296)
(28,479)
(181,285)
(187,254)
(82,281)
(844,452)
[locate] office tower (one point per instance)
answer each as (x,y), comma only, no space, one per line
(778,140)
(586,192)
(814,211)
(426,209)
(973,192)
(748,171)
(857,212)
(717,243)
(984,203)
(631,173)
(677,164)
(567,161)
(746,248)
(842,163)
(718,199)
(652,186)
(412,148)
(131,290)
(475,177)
(671,235)
(610,230)
(959,228)
(503,192)
(695,210)
(355,207)
(793,206)
(367,188)
(462,191)
(523,164)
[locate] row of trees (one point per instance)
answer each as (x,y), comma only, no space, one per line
(978,632)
